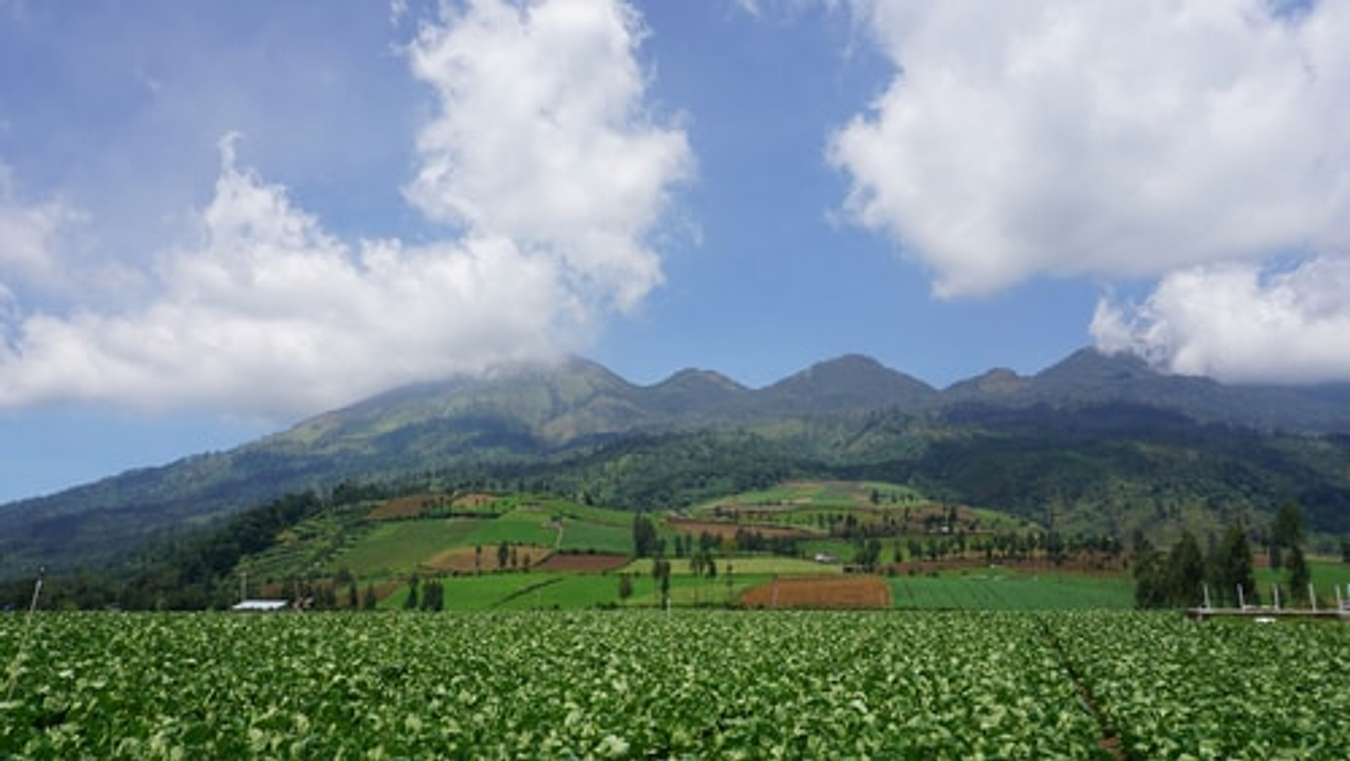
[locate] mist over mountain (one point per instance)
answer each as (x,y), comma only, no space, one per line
(1083,426)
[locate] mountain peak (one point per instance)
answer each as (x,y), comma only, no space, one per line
(851,381)
(1089,363)
(692,377)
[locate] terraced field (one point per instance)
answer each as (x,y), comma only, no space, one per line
(658,685)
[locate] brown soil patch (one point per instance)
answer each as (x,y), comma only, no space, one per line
(584,563)
(461,559)
(410,506)
(820,592)
(727,530)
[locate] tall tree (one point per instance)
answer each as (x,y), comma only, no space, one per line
(1299,576)
(644,536)
(1149,585)
(1288,529)
(1232,565)
(1185,572)
(503,554)
(411,602)
(625,586)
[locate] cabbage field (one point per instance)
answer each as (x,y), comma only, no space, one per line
(690,684)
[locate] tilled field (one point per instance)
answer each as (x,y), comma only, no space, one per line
(820,593)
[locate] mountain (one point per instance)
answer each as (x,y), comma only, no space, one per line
(1089,377)
(577,425)
(851,382)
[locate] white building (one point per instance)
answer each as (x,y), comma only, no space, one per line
(260,606)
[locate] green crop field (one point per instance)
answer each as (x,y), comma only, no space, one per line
(994,590)
(524,525)
(398,546)
(601,537)
(475,592)
(660,685)
(751,564)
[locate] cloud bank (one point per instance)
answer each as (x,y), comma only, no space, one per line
(1238,323)
(543,158)
(1101,139)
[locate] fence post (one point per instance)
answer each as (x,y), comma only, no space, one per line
(1242,602)
(1312,597)
(1275,590)
(1206,588)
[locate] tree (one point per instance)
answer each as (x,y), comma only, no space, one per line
(411,602)
(1299,575)
(353,600)
(1149,587)
(1232,564)
(369,601)
(665,584)
(1345,549)
(503,554)
(433,596)
(644,536)
(1185,572)
(625,586)
(1288,529)
(478,558)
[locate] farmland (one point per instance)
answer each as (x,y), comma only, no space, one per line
(650,684)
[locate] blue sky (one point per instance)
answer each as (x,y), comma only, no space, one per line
(944,189)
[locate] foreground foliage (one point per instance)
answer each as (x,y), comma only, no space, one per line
(653,685)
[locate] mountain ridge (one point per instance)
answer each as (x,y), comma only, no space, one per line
(538,414)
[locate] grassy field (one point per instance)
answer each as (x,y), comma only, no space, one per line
(1325,574)
(766,565)
(524,525)
(995,590)
(601,537)
(398,546)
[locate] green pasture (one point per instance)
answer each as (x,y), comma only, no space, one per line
(745,564)
(393,547)
(1007,590)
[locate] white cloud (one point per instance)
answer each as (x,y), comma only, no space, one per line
(542,155)
(1238,323)
(1097,138)
(29,233)
(543,136)
(271,314)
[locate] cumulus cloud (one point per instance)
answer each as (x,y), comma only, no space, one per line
(1103,139)
(543,157)
(1239,322)
(29,233)
(543,136)
(272,314)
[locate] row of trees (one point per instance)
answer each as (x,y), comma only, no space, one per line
(430,597)
(1176,578)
